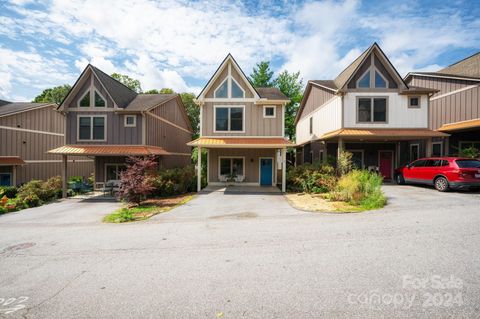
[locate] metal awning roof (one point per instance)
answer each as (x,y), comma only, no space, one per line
(241,142)
(457,126)
(11,160)
(379,134)
(112,150)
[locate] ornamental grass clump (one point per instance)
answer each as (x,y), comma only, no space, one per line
(361,188)
(312,178)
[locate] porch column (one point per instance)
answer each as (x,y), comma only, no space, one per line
(64,176)
(199,170)
(284,170)
(446,151)
(428,152)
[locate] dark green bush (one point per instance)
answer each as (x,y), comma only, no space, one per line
(175,181)
(35,192)
(312,178)
(3,210)
(9,191)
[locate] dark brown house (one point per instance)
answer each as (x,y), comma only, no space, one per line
(108,122)
(27,131)
(455,107)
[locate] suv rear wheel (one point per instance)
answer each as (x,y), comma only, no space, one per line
(441,184)
(399,179)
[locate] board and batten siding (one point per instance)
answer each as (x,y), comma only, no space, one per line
(255,124)
(32,146)
(460,106)
(317,97)
(326,118)
(399,115)
(171,138)
(252,158)
(116,132)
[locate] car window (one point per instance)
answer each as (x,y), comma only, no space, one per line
(436,162)
(444,163)
(429,163)
(419,163)
(466,163)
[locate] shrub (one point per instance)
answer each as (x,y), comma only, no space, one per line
(312,178)
(360,187)
(3,210)
(35,192)
(470,152)
(344,162)
(75,179)
(175,181)
(9,191)
(52,189)
(137,179)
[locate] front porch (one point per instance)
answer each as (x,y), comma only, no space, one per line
(243,162)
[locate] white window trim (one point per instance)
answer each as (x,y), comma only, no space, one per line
(321,156)
(410,106)
(372,110)
(231,167)
(130,125)
(372,69)
(238,84)
(82,97)
(101,95)
(229,124)
(441,148)
(218,87)
(91,128)
(361,77)
(260,169)
(91,91)
(265,116)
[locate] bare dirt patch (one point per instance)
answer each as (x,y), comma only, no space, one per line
(317,203)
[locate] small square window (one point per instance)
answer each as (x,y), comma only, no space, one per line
(414,102)
(130,120)
(269,111)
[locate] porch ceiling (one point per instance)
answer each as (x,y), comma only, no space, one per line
(112,150)
(241,142)
(458,126)
(382,134)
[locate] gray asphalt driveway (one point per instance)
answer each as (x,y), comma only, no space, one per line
(278,264)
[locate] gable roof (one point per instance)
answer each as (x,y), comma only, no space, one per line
(10,108)
(120,94)
(271,93)
(143,102)
(470,67)
(228,58)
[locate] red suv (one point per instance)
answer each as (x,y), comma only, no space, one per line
(441,172)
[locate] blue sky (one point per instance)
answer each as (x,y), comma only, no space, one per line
(179,44)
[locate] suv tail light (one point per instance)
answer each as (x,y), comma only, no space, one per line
(466,173)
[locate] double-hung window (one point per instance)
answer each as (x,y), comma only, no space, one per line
(372,110)
(91,128)
(229,118)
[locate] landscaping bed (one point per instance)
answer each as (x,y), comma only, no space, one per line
(318,203)
(147,209)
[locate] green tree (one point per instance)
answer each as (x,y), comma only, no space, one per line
(291,84)
(193,111)
(262,75)
(166,91)
(132,84)
(152,91)
(55,94)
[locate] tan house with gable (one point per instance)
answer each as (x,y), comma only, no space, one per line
(108,122)
(243,130)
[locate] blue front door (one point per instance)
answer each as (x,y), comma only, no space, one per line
(266,171)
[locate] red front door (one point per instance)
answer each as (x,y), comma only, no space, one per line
(385,164)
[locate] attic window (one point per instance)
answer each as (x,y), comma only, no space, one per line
(237,91)
(380,82)
(364,82)
(222,90)
(85,101)
(99,101)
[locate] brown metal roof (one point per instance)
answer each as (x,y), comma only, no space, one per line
(232,142)
(271,93)
(457,126)
(11,160)
(116,150)
(382,133)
